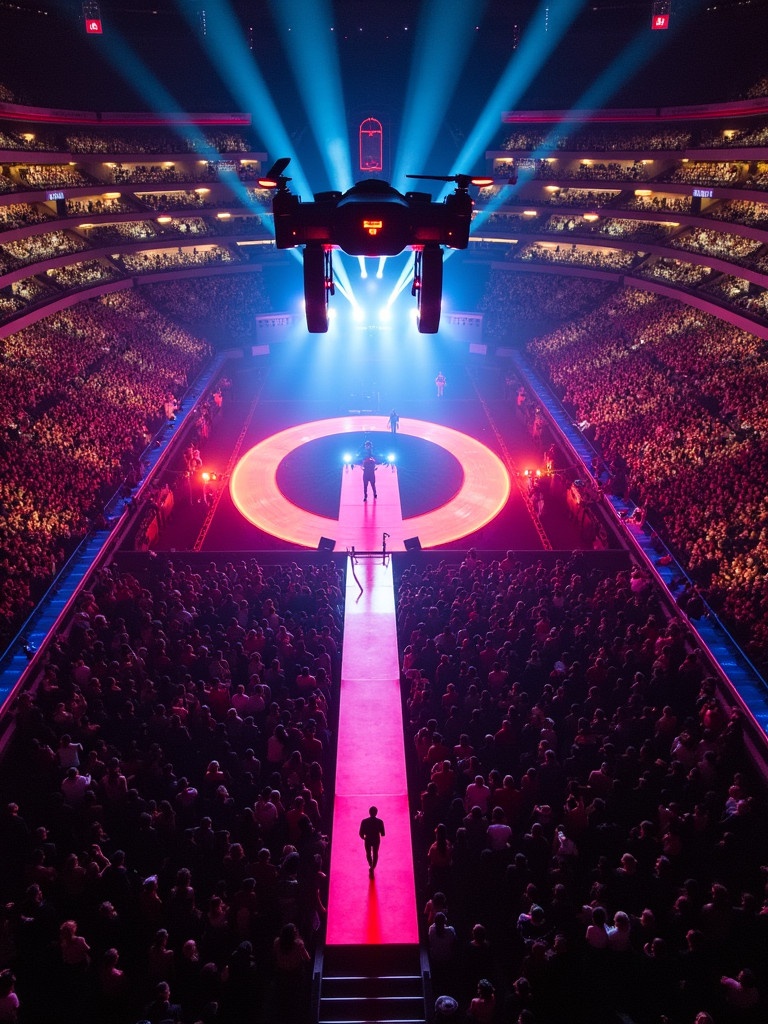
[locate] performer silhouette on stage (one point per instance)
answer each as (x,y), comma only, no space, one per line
(394,421)
(371,831)
(440,383)
(369,470)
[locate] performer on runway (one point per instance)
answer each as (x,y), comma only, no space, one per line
(394,421)
(371,831)
(440,383)
(369,470)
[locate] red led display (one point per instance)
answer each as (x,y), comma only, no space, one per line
(660,21)
(93,26)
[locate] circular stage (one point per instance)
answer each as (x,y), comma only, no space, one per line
(275,487)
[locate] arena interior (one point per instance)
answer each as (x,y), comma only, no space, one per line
(384,674)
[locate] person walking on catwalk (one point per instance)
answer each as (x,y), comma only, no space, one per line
(394,421)
(371,831)
(440,383)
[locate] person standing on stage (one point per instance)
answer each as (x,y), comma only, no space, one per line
(394,421)
(369,471)
(371,831)
(440,383)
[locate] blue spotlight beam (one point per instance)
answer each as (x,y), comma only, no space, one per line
(309,44)
(527,61)
(444,37)
(633,57)
(235,63)
(133,69)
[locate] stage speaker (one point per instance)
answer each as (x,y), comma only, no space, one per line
(412,544)
(326,544)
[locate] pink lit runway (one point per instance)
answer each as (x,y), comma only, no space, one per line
(371,770)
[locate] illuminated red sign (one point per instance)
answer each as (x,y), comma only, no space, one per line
(660,21)
(373,226)
(93,26)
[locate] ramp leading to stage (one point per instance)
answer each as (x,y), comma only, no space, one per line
(371,771)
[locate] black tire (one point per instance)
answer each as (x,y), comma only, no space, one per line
(431,291)
(315,291)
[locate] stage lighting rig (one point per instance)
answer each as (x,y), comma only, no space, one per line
(372,219)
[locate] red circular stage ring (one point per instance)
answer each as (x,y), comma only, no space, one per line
(482,495)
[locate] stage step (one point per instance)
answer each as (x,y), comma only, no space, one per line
(372,985)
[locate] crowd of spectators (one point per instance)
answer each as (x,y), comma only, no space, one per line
(37,248)
(722,244)
(78,275)
(150,139)
(18,215)
(602,138)
(759,177)
(227,304)
(688,413)
(161,174)
(82,392)
(580,197)
(146,262)
(664,268)
(52,176)
(575,255)
(728,287)
(661,203)
(162,201)
(755,135)
(510,298)
(740,211)
(588,830)
(760,88)
(172,830)
(80,207)
(706,172)
(611,227)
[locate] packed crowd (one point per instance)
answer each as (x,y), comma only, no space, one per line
(510,298)
(82,392)
(603,138)
(162,201)
(78,207)
(688,275)
(580,197)
(19,215)
(688,413)
(52,176)
(706,172)
(591,841)
(740,211)
(145,262)
(77,275)
(759,177)
(611,227)
(226,304)
(581,256)
(662,203)
(168,851)
(157,174)
(589,170)
(711,242)
(755,135)
(156,140)
(37,248)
